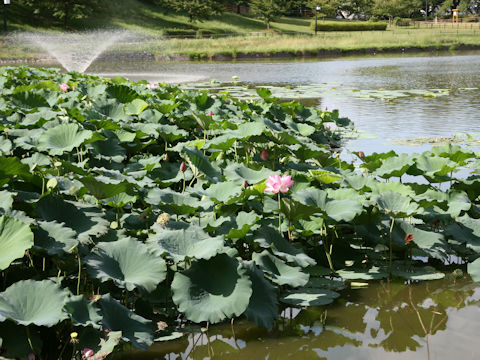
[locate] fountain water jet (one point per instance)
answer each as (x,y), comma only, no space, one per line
(76,51)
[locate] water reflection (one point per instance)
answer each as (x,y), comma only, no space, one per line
(430,320)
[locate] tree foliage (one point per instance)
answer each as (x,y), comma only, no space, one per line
(196,10)
(267,10)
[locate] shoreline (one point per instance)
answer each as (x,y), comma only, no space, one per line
(233,56)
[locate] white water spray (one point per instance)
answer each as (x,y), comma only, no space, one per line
(76,51)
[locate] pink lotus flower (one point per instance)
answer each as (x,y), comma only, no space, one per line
(87,353)
(264,155)
(275,183)
(152,86)
(210,114)
(64,87)
(361,154)
(31,356)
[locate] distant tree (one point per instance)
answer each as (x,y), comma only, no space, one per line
(267,10)
(196,10)
(328,8)
(462,5)
(356,7)
(396,8)
(65,10)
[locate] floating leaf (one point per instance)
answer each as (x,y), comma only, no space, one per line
(279,271)
(309,297)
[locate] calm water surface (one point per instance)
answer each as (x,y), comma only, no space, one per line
(430,320)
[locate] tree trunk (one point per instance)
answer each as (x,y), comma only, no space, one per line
(65,19)
(238,9)
(268,25)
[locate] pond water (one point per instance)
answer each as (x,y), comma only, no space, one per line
(429,320)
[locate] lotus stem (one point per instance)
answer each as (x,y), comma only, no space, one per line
(183,187)
(279,214)
(79,272)
(29,338)
(391,250)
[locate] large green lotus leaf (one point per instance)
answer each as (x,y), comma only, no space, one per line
(453,152)
(324,283)
(102,190)
(34,302)
(473,269)
(240,172)
(263,306)
(128,263)
(395,166)
(170,133)
(224,191)
(396,205)
(458,201)
(173,201)
(465,231)
(169,173)
(86,220)
(135,107)
(374,161)
(120,200)
(6,201)
(122,93)
(435,165)
(295,210)
(62,138)
(373,273)
(107,346)
(111,109)
(5,146)
(200,162)
(55,238)
(357,182)
(343,210)
(239,225)
(11,167)
(15,238)
(42,113)
(136,329)
(268,237)
(432,243)
(83,311)
(29,100)
(393,186)
(302,129)
(189,242)
(419,273)
(223,142)
(309,297)
(325,177)
(110,149)
(311,197)
(279,271)
(212,290)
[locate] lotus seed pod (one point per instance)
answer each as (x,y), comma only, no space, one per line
(163,219)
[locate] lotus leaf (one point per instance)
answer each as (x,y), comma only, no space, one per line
(15,238)
(309,297)
(396,205)
(133,328)
(203,293)
(55,238)
(34,302)
(128,263)
(63,138)
(263,306)
(189,242)
(83,311)
(279,271)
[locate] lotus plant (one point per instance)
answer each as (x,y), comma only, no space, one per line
(276,185)
(64,87)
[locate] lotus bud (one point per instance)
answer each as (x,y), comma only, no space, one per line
(57,164)
(361,155)
(244,184)
(114,225)
(249,150)
(165,157)
(163,219)
(183,167)
(264,155)
(210,113)
(328,127)
(95,298)
(408,238)
(31,356)
(52,184)
(87,353)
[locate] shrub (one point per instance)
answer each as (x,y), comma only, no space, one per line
(180,32)
(349,26)
(401,22)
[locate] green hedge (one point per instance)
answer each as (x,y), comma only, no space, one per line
(348,26)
